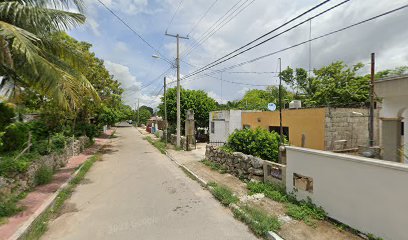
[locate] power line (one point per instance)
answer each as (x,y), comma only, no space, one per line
(307,41)
(131,29)
(174,15)
(224,58)
(202,17)
(213,26)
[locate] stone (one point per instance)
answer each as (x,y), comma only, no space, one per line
(256,162)
(258,172)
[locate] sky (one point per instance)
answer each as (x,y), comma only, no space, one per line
(130,60)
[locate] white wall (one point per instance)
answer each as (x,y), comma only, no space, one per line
(368,195)
(231,121)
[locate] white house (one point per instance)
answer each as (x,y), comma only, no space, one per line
(394,117)
(223,123)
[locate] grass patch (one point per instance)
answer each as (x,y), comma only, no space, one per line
(10,207)
(272,191)
(160,145)
(43,175)
(257,220)
(223,194)
(304,211)
(40,225)
(189,174)
(214,166)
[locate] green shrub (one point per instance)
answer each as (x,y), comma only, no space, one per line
(39,130)
(58,140)
(257,142)
(1,139)
(6,115)
(272,191)
(43,175)
(91,131)
(9,208)
(15,137)
(306,211)
(8,165)
(42,147)
(214,166)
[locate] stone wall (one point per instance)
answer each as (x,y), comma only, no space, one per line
(21,182)
(238,164)
(347,128)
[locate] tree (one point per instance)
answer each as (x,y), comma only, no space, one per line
(6,115)
(256,99)
(147,108)
(144,115)
(398,71)
(32,58)
(196,100)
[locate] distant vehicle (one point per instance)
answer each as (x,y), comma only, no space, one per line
(129,121)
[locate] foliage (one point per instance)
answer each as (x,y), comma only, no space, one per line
(334,85)
(306,211)
(144,115)
(196,100)
(10,166)
(272,191)
(258,221)
(257,142)
(58,140)
(43,175)
(223,194)
(33,58)
(6,115)
(9,206)
(147,108)
(1,139)
(16,135)
(214,166)
(257,99)
(398,71)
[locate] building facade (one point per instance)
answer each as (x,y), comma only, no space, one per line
(317,128)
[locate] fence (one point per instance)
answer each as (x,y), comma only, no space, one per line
(366,194)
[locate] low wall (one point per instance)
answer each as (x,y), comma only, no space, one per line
(238,164)
(368,195)
(21,182)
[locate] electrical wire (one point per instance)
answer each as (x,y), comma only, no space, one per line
(226,58)
(304,42)
(174,14)
(202,17)
(132,30)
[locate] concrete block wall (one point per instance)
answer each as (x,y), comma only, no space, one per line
(349,124)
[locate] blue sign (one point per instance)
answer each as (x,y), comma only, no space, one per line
(271,106)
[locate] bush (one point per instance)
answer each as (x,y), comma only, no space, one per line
(15,137)
(6,115)
(8,165)
(58,140)
(257,142)
(41,147)
(43,175)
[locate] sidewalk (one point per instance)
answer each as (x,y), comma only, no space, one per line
(37,200)
(291,229)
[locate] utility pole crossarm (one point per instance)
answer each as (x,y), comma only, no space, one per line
(176,36)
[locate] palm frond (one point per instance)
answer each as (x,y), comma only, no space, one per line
(62,4)
(37,19)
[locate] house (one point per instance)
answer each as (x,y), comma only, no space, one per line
(223,123)
(332,129)
(394,117)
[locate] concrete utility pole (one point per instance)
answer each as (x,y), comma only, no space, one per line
(177,36)
(165,110)
(280,103)
(371,124)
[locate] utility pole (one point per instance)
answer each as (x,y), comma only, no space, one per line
(280,103)
(371,124)
(165,111)
(177,36)
(138,112)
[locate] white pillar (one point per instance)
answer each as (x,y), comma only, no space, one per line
(405,140)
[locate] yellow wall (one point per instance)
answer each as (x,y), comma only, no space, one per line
(310,122)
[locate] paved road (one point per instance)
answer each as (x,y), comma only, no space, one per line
(138,193)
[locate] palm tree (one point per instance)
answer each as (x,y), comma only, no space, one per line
(32,57)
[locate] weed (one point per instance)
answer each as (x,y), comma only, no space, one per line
(306,211)
(272,191)
(160,145)
(214,166)
(223,194)
(9,206)
(372,237)
(43,175)
(258,221)
(189,174)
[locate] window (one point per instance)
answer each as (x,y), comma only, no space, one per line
(303,183)
(277,129)
(212,127)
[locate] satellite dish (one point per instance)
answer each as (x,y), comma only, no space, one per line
(271,106)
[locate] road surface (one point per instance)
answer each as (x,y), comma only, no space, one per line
(137,193)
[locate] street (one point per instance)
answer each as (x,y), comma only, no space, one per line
(137,193)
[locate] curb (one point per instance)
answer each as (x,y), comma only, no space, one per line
(21,231)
